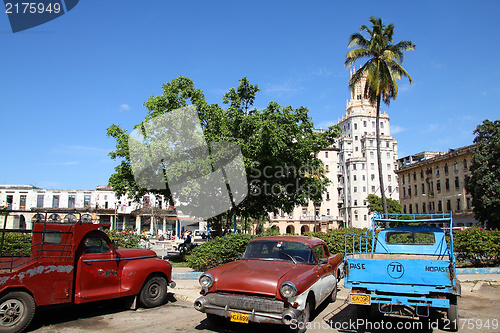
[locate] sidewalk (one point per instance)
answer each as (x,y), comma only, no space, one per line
(188,288)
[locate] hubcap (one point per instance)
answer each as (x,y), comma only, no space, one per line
(11,312)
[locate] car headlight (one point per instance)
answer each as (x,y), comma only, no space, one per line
(206,281)
(288,290)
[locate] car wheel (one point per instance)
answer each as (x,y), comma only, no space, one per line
(215,319)
(153,292)
(16,311)
(452,314)
(333,296)
(301,325)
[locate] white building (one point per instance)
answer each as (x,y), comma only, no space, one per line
(100,204)
(358,171)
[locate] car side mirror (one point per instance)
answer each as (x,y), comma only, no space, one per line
(323,261)
(114,245)
(240,255)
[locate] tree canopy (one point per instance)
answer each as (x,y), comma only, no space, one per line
(484,183)
(381,70)
(278,147)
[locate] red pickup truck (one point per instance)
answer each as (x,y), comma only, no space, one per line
(75,263)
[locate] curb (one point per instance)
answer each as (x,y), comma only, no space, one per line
(186,275)
(490,270)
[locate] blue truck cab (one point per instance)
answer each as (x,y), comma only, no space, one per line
(404,271)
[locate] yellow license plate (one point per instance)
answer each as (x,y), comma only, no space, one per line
(239,317)
(359,299)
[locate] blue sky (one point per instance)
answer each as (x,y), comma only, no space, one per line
(64,82)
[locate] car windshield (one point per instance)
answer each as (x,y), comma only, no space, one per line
(279,250)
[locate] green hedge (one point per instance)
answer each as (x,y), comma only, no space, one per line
(477,246)
(16,243)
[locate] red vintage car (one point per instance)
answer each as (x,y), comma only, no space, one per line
(279,280)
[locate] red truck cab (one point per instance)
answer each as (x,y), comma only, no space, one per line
(75,263)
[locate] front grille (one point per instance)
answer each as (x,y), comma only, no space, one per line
(249,303)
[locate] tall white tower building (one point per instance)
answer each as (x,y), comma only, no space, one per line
(358,167)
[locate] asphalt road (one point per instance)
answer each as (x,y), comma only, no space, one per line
(479,311)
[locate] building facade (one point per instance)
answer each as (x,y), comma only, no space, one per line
(150,214)
(433,183)
(358,165)
(352,169)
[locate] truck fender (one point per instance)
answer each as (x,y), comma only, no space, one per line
(136,272)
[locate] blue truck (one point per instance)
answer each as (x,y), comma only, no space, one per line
(406,271)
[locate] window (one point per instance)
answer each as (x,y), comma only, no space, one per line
(364,189)
(326,167)
(447,184)
(55,201)
(440,206)
(86,201)
(96,245)
(355,137)
(388,166)
(371,154)
(355,126)
(10,200)
(71,201)
(410,238)
(373,124)
(372,166)
(355,189)
(414,176)
(438,185)
(416,193)
(421,174)
(364,123)
(455,166)
(22,202)
(355,202)
(319,252)
(437,171)
(423,188)
(457,183)
(372,176)
(373,189)
(326,154)
(371,143)
(446,169)
(381,124)
(354,166)
(354,177)
(39,200)
(52,237)
(466,167)
(389,178)
(459,208)
(448,205)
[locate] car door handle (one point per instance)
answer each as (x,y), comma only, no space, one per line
(100,271)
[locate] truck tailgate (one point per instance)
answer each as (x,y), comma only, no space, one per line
(400,271)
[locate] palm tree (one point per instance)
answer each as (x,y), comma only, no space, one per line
(381,71)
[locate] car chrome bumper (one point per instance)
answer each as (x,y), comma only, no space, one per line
(286,317)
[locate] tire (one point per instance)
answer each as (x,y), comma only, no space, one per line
(153,292)
(333,296)
(301,326)
(452,314)
(16,311)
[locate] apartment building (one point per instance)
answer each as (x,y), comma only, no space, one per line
(352,169)
(358,165)
(433,182)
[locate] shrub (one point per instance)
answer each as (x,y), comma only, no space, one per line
(218,251)
(16,243)
(335,239)
(478,246)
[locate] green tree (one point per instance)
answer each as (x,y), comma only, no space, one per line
(484,183)
(375,205)
(278,145)
(381,71)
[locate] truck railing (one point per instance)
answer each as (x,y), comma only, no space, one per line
(380,220)
(357,243)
